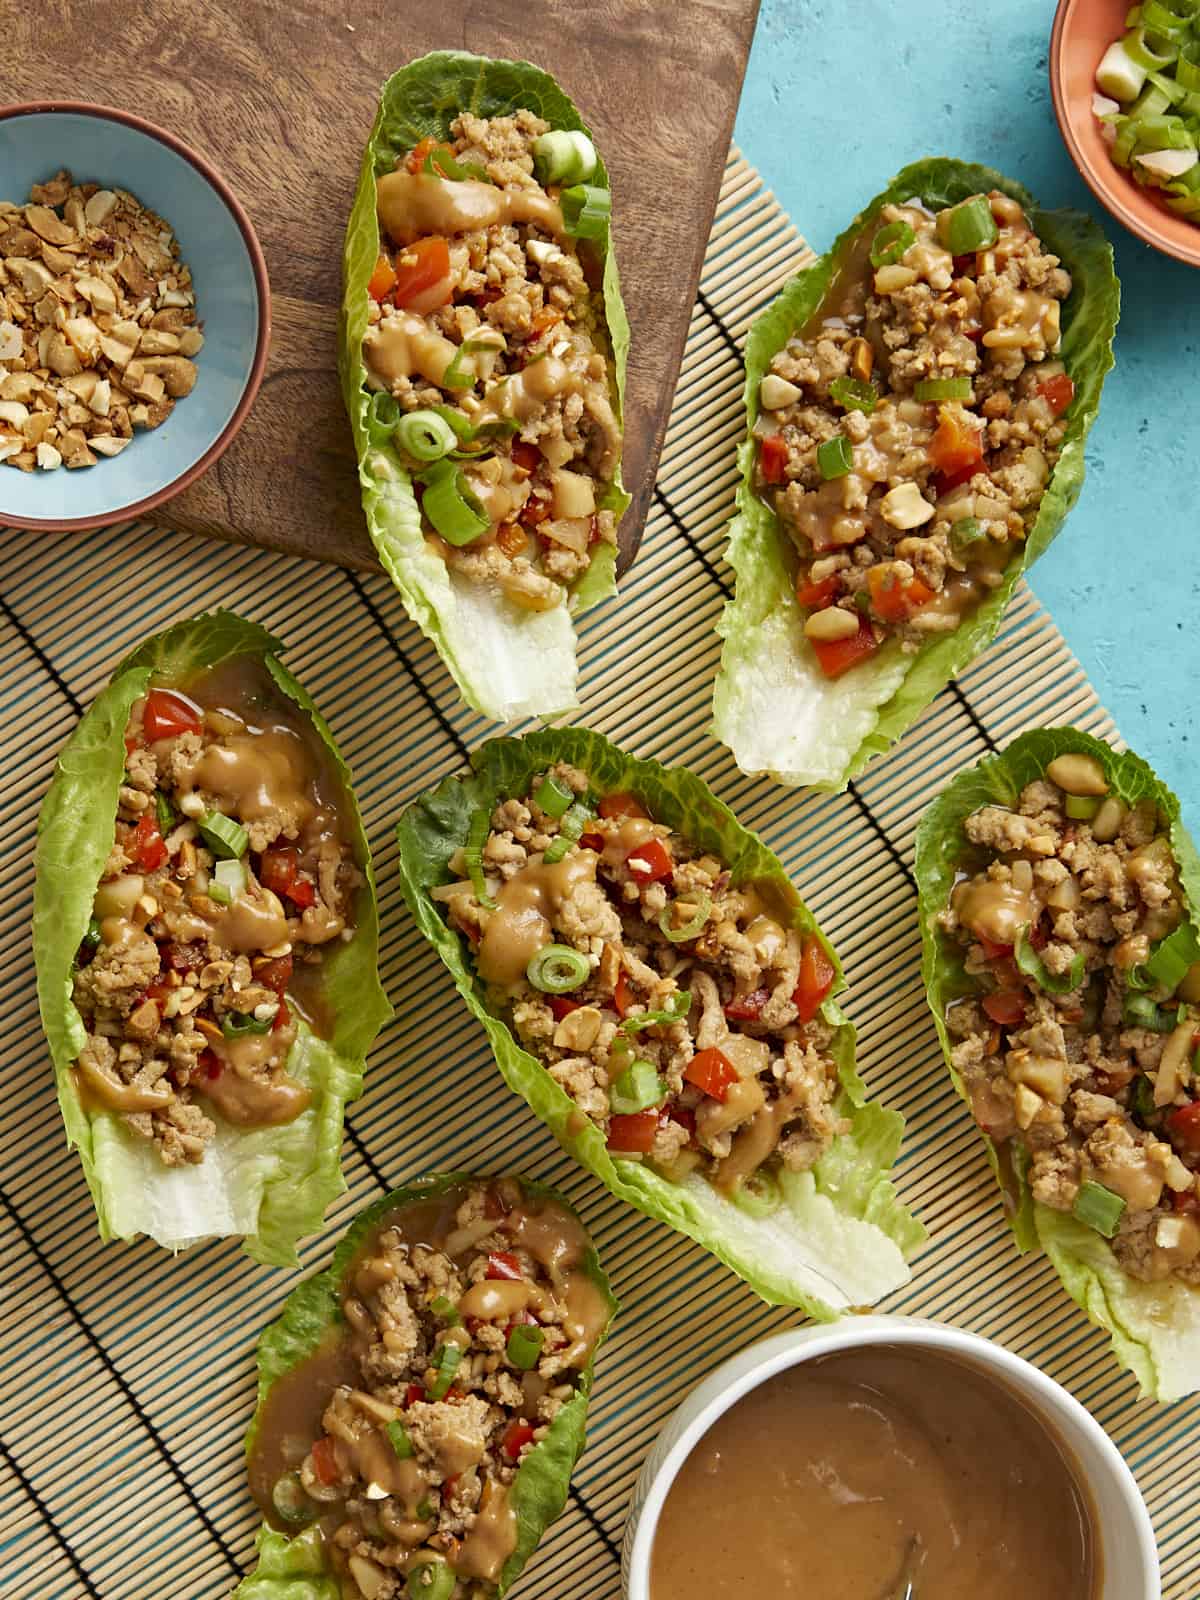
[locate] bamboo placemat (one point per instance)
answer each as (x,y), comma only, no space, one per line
(128,1376)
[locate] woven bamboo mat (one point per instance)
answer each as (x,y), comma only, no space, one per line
(128,1376)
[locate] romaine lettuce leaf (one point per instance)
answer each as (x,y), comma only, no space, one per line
(507,662)
(294,1568)
(841,1236)
(1155,1328)
(772,705)
(270,1185)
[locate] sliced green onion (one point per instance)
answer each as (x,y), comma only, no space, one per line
(890,243)
(91,934)
(570,830)
(228,881)
(1170,960)
(1138,977)
(968,226)
(443,163)
(1099,1208)
(563,156)
(425,435)
(553,796)
(1139,1011)
(586,211)
(853,394)
(636,1089)
(382,416)
(1118,74)
(1141,1097)
(237,1024)
(1154,100)
(557,969)
(834,457)
(1142,53)
(691,928)
(1032,965)
(1187,67)
(455,375)
(447,1359)
(445,1310)
(524,1346)
(165,812)
(964,534)
(759,1195)
(222,835)
(476,839)
(430,1580)
(424,1511)
(401,1443)
(450,506)
(290,1501)
(1083,807)
(943,389)
(1162,21)
(677,1008)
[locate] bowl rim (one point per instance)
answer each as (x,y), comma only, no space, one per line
(1109,197)
(749,1368)
(262,284)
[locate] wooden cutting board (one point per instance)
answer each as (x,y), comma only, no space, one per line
(280,95)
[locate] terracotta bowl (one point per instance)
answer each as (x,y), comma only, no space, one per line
(1083,31)
(216,239)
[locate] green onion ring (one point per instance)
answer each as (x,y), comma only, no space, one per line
(450,506)
(570,829)
(454,377)
(586,211)
(557,969)
(425,435)
(1169,962)
(222,835)
(760,1194)
(1032,965)
(476,839)
(967,227)
(677,1009)
(446,1361)
(691,929)
(834,457)
(524,1346)
(943,389)
(1099,1208)
(430,1580)
(553,796)
(564,156)
(443,163)
(890,243)
(290,1501)
(852,394)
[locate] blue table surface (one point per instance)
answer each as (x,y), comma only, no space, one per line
(837,99)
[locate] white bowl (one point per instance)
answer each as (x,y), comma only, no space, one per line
(1122,1529)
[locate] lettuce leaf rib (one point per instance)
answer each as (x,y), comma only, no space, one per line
(841,1237)
(1154,1328)
(506,661)
(270,1185)
(771,704)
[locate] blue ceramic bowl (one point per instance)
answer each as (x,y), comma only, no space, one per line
(110,147)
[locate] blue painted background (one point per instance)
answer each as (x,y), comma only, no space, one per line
(838,97)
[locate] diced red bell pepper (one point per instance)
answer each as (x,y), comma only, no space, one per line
(515,1437)
(147,846)
(1058,392)
(1183,1129)
(622,999)
(282,1017)
(275,974)
(526,456)
(993,951)
(541,323)
(209,1063)
(325,1461)
(621,805)
(168,714)
(414,1392)
(495,1206)
(650,862)
(382,280)
(712,1072)
(278,867)
(534,512)
(502,1264)
(683,1116)
(896,601)
(955,446)
(423,282)
(451,1483)
(816,596)
(747,1007)
(773,458)
(1005,1007)
(835,656)
(591,841)
(415,159)
(182,957)
(131,745)
(302,893)
(817,973)
(1187,1201)
(561,1006)
(633,1134)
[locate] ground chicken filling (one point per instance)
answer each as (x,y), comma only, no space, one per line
(679,1010)
(486,306)
(467,1322)
(230,874)
(908,431)
(1081,1046)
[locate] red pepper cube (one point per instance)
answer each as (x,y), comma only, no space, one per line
(773,458)
(168,714)
(747,1007)
(817,973)
(1006,1008)
(650,862)
(560,1006)
(835,656)
(711,1071)
(147,845)
(516,1436)
(325,1461)
(634,1134)
(622,804)
(504,1265)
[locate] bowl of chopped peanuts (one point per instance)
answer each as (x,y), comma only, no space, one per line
(134,315)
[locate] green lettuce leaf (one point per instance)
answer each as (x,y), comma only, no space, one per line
(1155,1328)
(507,662)
(294,1568)
(270,1185)
(840,1237)
(772,705)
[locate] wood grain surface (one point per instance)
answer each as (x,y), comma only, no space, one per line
(280,96)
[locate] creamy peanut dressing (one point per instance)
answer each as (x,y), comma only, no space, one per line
(851,1475)
(996,909)
(291,1416)
(414,204)
(526,906)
